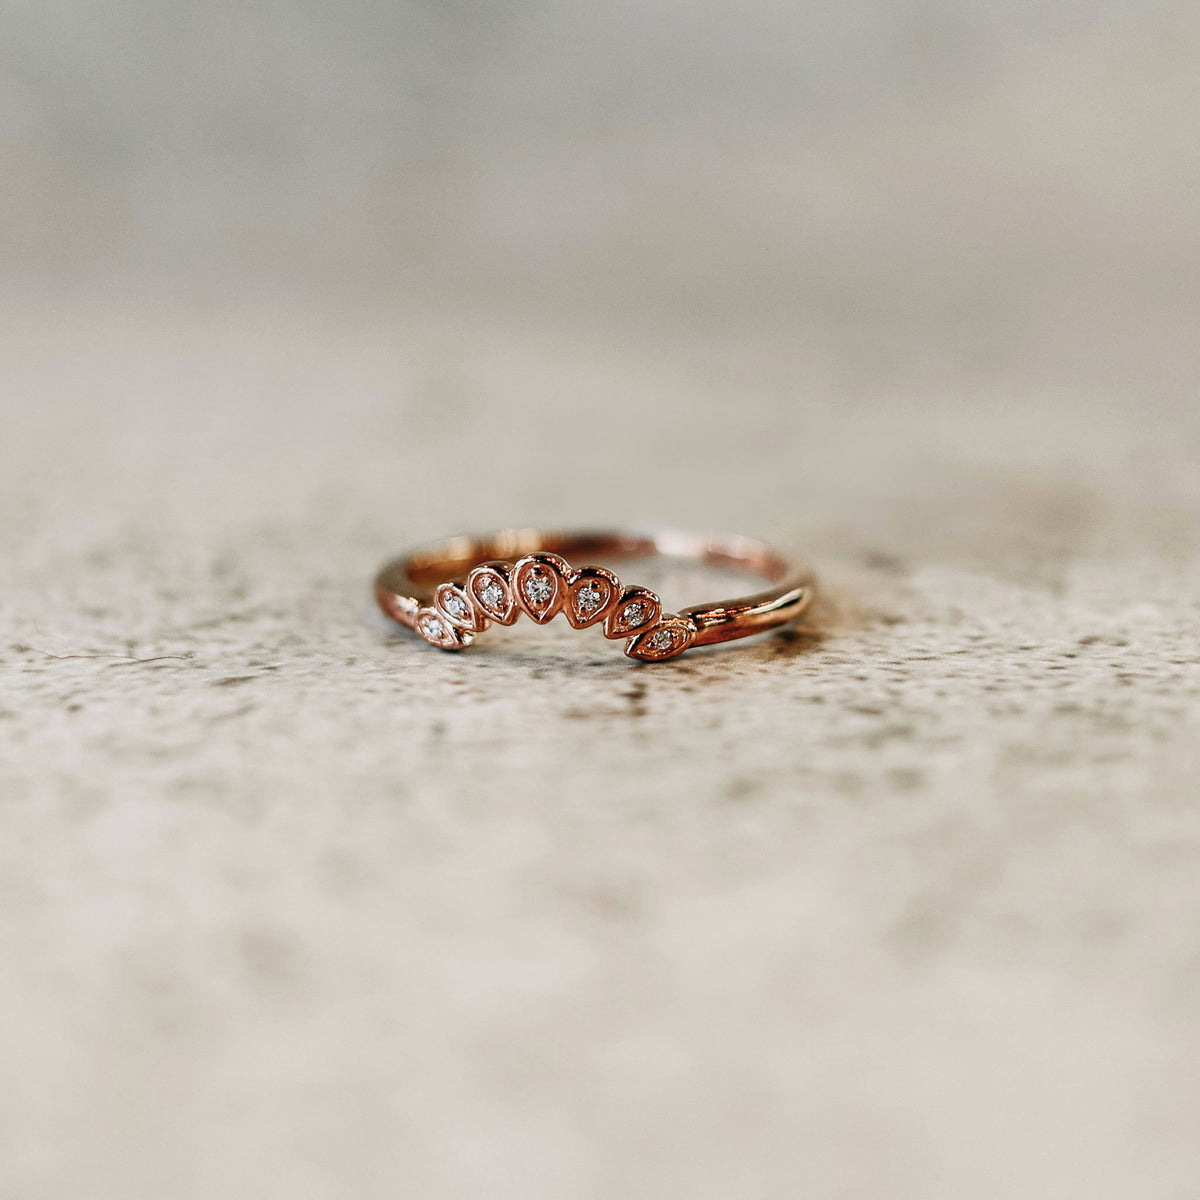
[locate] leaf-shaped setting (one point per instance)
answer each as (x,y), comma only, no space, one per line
(591,594)
(637,609)
(490,586)
(671,636)
(540,584)
(454,603)
(437,631)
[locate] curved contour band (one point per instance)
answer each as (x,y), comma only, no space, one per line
(451,590)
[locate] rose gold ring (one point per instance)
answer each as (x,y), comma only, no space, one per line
(451,590)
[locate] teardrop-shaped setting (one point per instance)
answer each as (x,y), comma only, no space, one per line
(490,586)
(638,608)
(437,631)
(591,594)
(454,603)
(540,584)
(671,636)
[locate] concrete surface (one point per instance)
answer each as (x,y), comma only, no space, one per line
(905,904)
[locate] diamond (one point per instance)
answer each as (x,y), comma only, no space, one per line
(634,613)
(589,598)
(538,588)
(662,639)
(455,605)
(492,594)
(432,628)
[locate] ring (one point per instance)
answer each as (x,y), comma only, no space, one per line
(450,591)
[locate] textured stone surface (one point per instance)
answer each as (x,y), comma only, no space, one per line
(292,904)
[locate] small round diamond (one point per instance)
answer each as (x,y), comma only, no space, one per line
(538,588)
(634,613)
(659,641)
(492,594)
(432,628)
(455,605)
(589,598)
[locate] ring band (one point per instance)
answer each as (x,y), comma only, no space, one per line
(450,591)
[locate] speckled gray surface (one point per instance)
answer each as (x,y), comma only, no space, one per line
(293,905)
(905,905)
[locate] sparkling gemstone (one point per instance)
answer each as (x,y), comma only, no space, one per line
(492,594)
(538,589)
(634,613)
(589,598)
(432,628)
(659,641)
(455,605)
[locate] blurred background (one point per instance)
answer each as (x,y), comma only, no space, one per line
(902,236)
(904,906)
